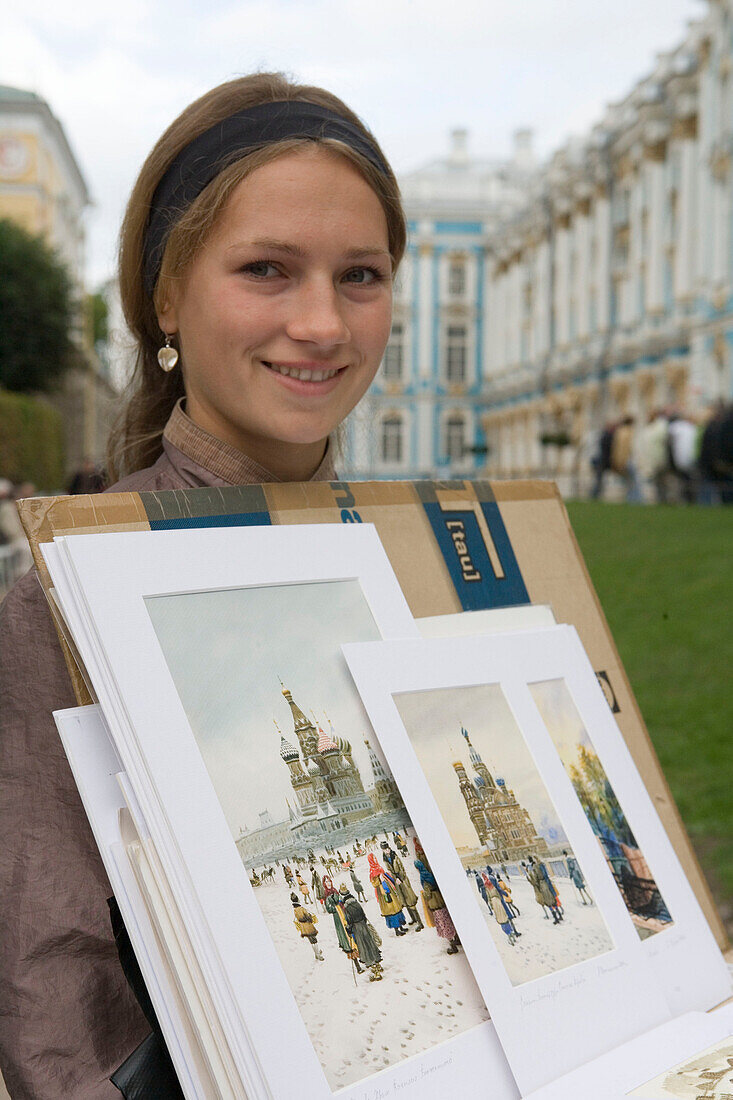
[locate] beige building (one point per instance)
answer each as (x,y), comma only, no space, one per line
(43,190)
(41,185)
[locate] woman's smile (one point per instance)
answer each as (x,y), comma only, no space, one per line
(310,373)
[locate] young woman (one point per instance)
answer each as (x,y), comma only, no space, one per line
(256,265)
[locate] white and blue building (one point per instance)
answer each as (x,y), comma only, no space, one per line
(423,414)
(536,304)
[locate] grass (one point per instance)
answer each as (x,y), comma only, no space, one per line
(664,576)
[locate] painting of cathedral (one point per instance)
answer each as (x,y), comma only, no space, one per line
(501,823)
(330,802)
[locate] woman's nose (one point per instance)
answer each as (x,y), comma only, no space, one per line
(318,315)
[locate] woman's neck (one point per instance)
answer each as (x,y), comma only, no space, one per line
(286,461)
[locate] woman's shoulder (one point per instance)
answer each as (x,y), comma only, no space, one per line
(161,475)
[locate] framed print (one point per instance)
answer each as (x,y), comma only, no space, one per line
(216,656)
(548,915)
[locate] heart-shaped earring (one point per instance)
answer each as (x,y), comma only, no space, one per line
(167,356)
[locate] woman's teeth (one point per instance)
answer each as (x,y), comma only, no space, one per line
(303,375)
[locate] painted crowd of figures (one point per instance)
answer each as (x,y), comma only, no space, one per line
(397,900)
(493,887)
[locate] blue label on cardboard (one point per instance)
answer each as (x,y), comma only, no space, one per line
(479,581)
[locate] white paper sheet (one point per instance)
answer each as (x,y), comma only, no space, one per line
(103,581)
(95,765)
(566,1018)
(626,1071)
(493,620)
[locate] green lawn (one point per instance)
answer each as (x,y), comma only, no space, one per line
(664,576)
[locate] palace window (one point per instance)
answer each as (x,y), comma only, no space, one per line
(456,353)
(392,438)
(457,278)
(394,353)
(455,438)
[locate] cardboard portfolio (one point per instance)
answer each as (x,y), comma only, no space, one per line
(454,546)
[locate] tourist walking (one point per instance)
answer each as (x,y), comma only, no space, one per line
(333,905)
(306,922)
(577,878)
(409,897)
(436,911)
(498,905)
(506,891)
(388,895)
(544,890)
(362,934)
(303,886)
(317,885)
(357,885)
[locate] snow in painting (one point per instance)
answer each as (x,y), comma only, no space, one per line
(506,830)
(378,974)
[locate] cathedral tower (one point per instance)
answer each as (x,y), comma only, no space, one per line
(386,792)
(299,778)
(473,802)
(305,730)
(477,763)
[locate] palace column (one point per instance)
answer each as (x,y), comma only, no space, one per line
(655,154)
(583,276)
(685,133)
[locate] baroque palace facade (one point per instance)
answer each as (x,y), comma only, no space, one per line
(539,303)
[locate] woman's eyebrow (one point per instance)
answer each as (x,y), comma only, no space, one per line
(295,250)
(360,253)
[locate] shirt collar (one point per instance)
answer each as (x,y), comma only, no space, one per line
(222,459)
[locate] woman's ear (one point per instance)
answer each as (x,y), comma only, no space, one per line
(168,319)
(167,314)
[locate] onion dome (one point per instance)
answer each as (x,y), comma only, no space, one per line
(313,768)
(287,751)
(344,746)
(325,744)
(500,782)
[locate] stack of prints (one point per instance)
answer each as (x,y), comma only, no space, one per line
(356,861)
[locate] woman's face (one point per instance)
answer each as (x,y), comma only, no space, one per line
(283,317)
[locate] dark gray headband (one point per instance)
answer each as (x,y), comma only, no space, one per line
(208,154)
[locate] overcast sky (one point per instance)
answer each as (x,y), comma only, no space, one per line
(226,650)
(116,74)
(433,721)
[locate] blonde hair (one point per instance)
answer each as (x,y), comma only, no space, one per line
(136,439)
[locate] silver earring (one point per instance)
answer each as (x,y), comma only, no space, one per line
(167,356)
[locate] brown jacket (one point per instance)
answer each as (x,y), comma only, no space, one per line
(304,921)
(67,1016)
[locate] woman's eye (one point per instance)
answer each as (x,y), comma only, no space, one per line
(261,269)
(363,276)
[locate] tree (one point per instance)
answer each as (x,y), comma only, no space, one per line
(98,317)
(36,312)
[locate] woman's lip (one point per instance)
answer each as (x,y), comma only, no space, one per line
(303,386)
(301,364)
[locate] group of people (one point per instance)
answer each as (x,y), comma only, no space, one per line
(680,455)
(494,889)
(357,937)
(497,895)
